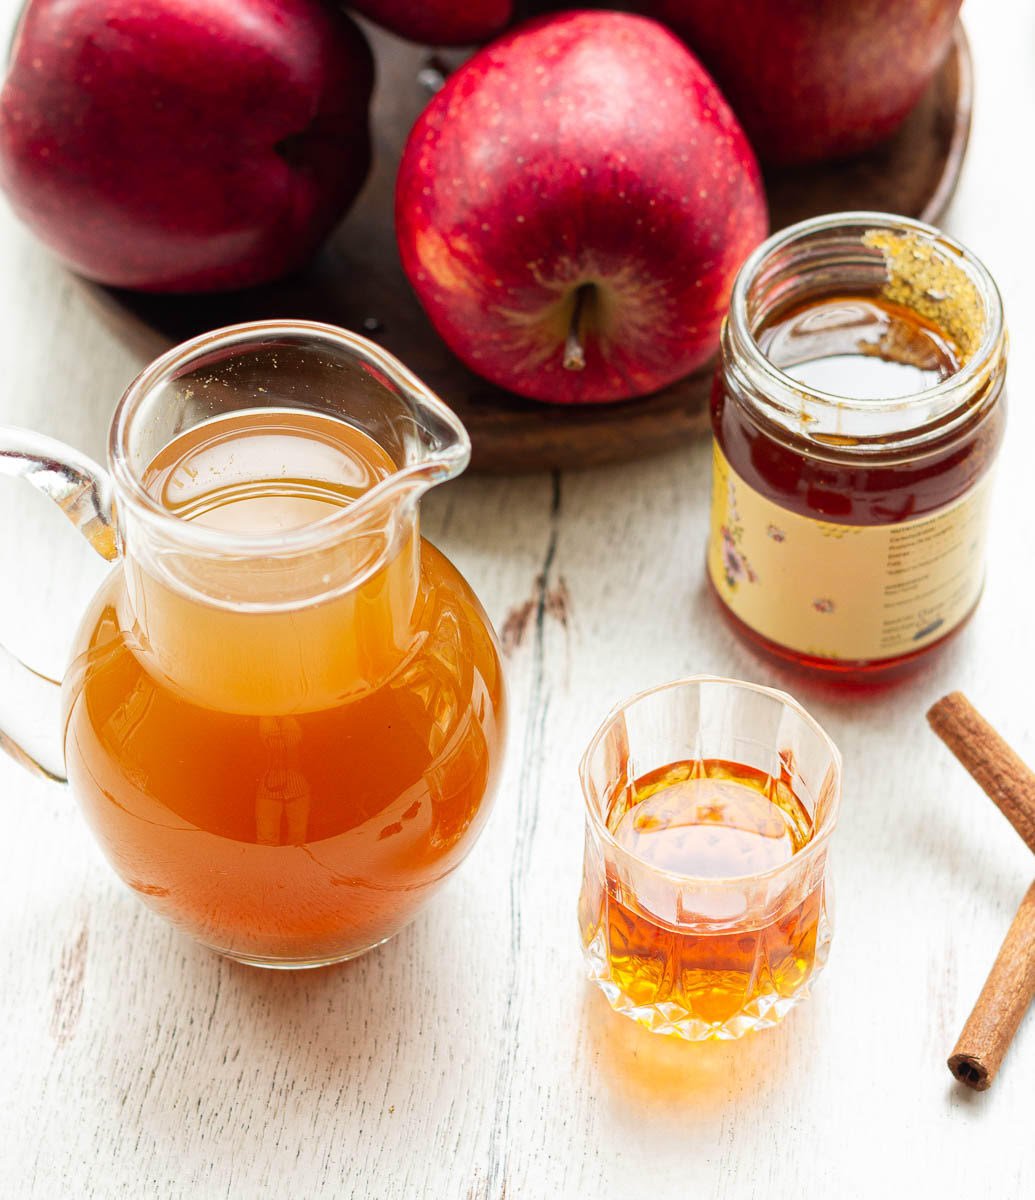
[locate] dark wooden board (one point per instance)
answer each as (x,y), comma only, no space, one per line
(357,281)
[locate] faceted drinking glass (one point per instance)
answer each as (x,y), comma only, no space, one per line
(708,955)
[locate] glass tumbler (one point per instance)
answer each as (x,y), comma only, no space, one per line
(739,782)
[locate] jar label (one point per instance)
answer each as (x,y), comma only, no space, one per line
(844,592)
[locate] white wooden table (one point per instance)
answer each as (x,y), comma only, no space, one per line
(468,1058)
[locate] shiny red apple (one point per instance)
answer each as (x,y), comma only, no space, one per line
(573,205)
(182,145)
(816,79)
(439,22)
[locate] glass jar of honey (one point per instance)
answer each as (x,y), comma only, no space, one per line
(857,410)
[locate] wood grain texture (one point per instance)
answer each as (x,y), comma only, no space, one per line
(468,1058)
(358,281)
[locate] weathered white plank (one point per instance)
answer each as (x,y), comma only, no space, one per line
(468,1058)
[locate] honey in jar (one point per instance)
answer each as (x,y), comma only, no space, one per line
(857,413)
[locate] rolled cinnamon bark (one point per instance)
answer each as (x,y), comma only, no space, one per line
(1003,1002)
(1002,774)
(1010,986)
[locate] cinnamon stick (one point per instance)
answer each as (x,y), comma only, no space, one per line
(1004,1000)
(1002,774)
(1010,986)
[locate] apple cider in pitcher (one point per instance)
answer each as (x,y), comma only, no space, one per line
(283,752)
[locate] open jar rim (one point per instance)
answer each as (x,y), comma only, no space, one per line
(825,820)
(917,416)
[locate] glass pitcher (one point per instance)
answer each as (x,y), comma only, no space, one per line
(284,714)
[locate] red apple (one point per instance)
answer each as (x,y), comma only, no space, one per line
(815,79)
(573,205)
(439,22)
(180,145)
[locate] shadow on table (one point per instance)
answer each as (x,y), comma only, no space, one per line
(649,1075)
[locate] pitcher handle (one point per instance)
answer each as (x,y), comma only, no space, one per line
(30,702)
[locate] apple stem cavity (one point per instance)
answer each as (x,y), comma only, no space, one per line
(574,352)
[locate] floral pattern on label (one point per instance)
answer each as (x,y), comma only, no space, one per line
(736,567)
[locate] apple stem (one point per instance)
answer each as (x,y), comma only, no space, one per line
(574,353)
(433,74)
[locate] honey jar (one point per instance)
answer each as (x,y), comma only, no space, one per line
(857,410)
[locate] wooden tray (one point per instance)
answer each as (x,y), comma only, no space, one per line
(357,281)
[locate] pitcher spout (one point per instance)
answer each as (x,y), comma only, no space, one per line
(287,365)
(432,444)
(267,481)
(262,370)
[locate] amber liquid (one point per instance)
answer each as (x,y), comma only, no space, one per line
(860,346)
(723,960)
(285,782)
